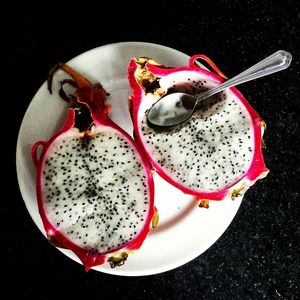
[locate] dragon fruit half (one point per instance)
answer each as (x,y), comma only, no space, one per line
(94,186)
(217,152)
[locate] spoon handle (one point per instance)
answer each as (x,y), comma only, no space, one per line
(278,61)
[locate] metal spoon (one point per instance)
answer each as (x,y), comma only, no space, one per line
(176,108)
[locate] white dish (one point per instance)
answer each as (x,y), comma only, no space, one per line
(185,230)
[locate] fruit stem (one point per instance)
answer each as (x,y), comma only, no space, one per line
(78,78)
(89,101)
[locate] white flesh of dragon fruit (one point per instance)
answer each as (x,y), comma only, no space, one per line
(210,151)
(91,186)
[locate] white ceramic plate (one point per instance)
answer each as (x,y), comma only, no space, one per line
(185,231)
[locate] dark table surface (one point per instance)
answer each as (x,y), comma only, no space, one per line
(258,255)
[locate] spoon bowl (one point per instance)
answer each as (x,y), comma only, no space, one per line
(176,106)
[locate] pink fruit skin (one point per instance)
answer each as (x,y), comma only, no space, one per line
(257,168)
(92,96)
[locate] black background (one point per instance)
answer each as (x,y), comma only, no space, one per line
(258,255)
